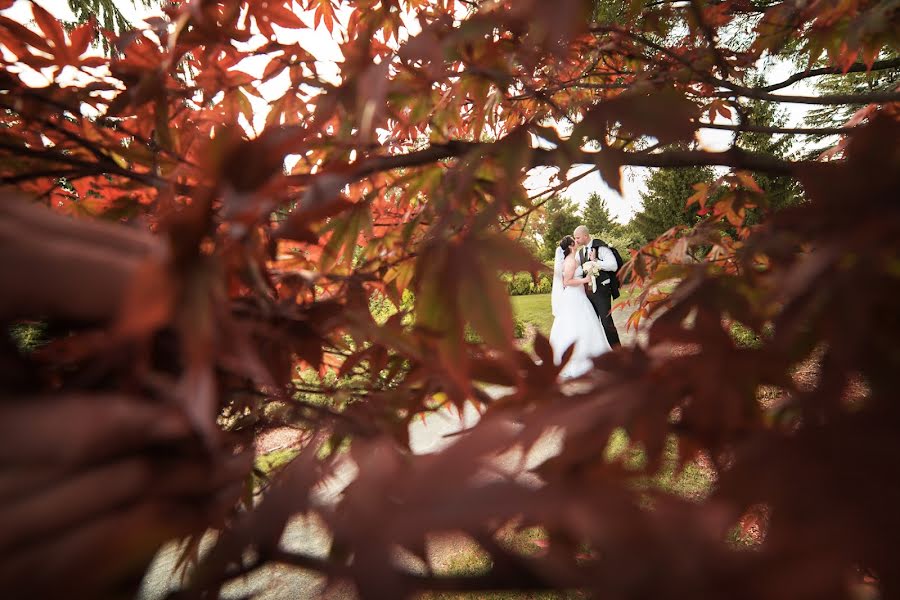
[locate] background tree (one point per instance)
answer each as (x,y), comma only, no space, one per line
(560,218)
(883,79)
(626,238)
(531,241)
(596,217)
(664,202)
(107,14)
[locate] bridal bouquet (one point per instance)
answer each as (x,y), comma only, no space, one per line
(592,269)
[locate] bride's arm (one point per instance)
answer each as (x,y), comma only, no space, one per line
(569,279)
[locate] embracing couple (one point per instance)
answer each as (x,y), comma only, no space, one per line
(584,284)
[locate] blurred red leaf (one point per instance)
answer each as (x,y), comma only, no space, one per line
(82,36)
(665,114)
(149,300)
(52,28)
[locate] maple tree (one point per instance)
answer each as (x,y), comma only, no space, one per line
(406,178)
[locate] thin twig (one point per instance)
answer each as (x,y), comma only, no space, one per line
(880,65)
(780,130)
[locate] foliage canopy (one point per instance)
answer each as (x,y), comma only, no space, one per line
(406,174)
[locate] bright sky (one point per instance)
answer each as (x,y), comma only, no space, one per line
(324,47)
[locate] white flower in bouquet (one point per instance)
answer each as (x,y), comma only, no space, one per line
(592,269)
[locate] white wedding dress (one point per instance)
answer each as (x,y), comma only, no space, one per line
(574,322)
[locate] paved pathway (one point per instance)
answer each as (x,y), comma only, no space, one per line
(310,537)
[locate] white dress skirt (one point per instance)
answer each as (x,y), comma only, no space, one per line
(577,323)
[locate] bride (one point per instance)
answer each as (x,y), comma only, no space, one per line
(574,319)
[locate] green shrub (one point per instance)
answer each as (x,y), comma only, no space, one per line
(624,241)
(544,285)
(746,337)
(518,328)
(521,284)
(518,332)
(28,336)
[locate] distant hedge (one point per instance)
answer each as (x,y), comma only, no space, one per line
(521,284)
(518,331)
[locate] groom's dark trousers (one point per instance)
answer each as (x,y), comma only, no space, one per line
(602,302)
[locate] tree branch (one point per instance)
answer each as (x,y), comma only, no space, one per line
(881,65)
(85,168)
(549,196)
(69,174)
(54,156)
(780,130)
(735,158)
(760,94)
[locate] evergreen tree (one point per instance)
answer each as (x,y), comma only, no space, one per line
(663,203)
(596,217)
(837,115)
(560,219)
(107,14)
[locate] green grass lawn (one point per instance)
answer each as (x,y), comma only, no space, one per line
(534,309)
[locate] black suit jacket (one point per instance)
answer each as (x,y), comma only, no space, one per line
(603,289)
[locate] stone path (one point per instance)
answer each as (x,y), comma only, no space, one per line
(628,338)
(310,537)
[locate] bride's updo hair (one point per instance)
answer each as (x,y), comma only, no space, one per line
(566,244)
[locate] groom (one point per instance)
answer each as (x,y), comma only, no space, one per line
(602,298)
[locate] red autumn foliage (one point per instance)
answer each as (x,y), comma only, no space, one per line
(175,330)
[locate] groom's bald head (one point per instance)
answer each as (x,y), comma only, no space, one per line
(582,235)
